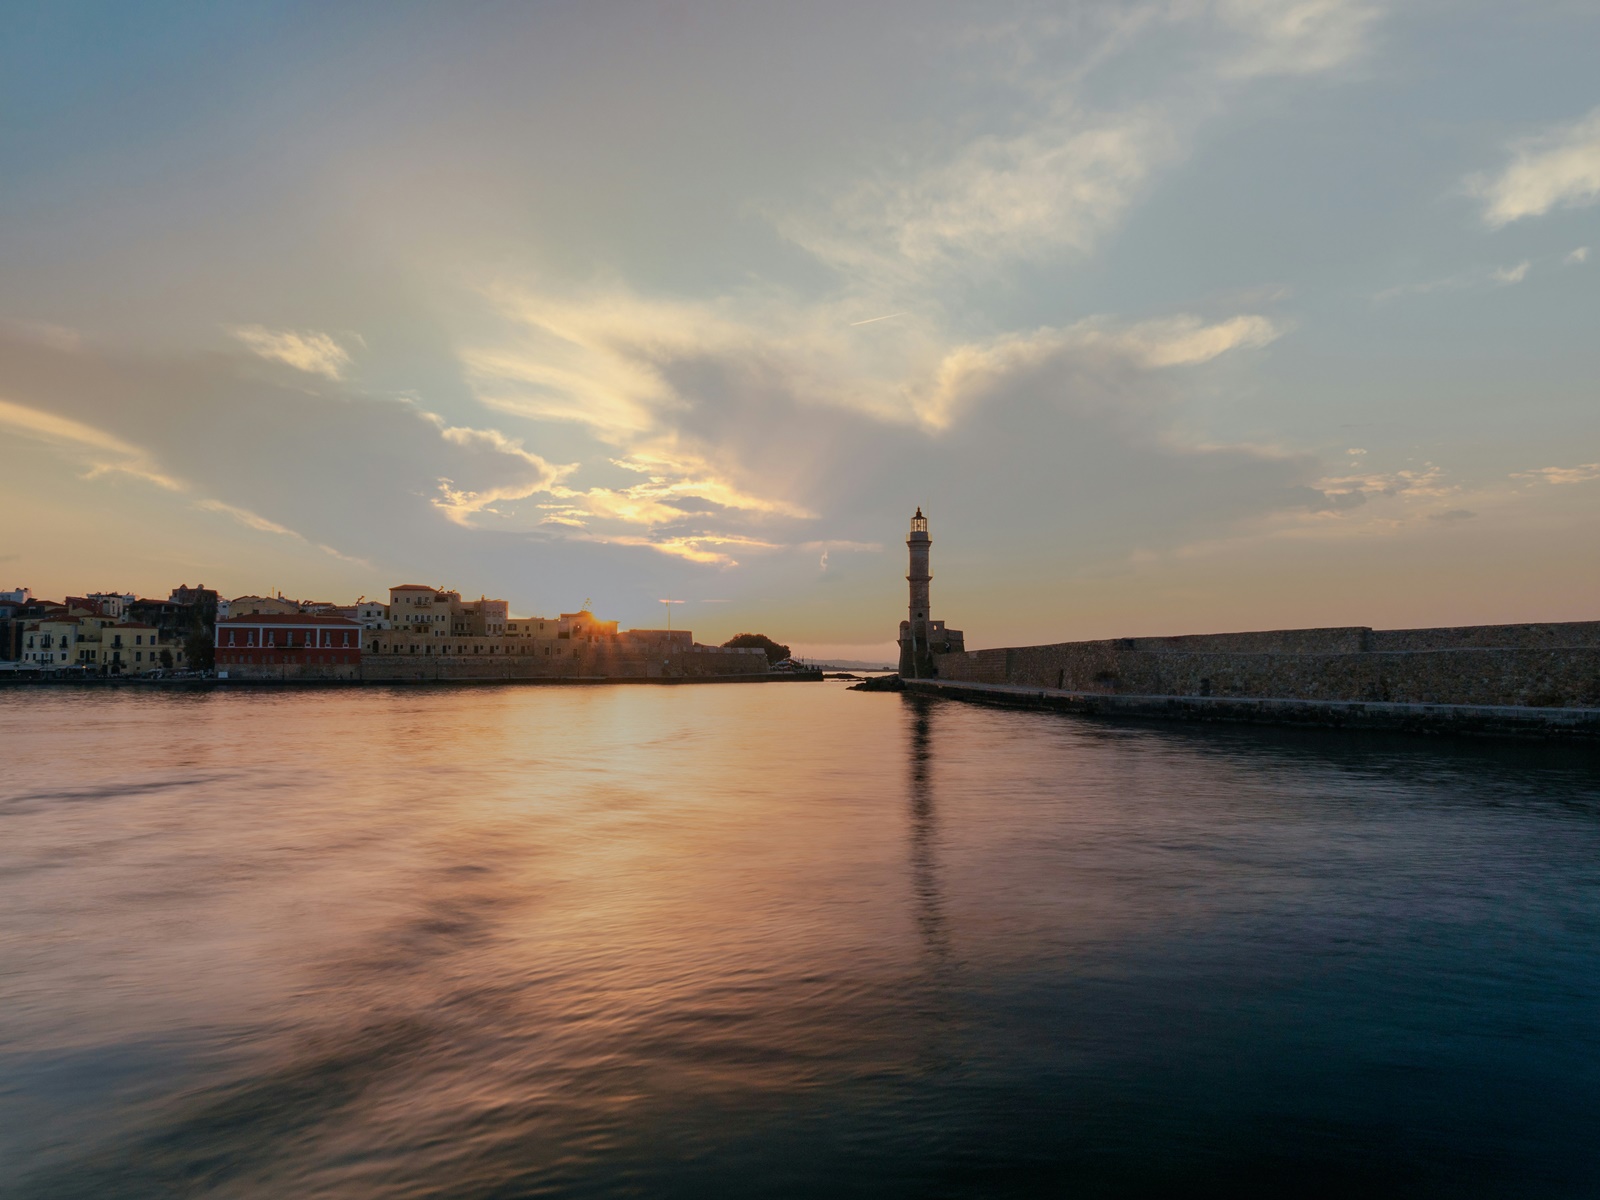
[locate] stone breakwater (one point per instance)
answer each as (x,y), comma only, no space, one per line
(1356,674)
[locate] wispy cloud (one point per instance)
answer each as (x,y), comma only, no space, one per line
(971,371)
(106,453)
(245,517)
(1343,492)
(1559,168)
(1582,473)
(1477,277)
(111,455)
(1509,275)
(835,544)
(1058,172)
(1575,257)
(1298,37)
(1061,183)
(676,495)
(461,504)
(255,521)
(315,353)
(707,549)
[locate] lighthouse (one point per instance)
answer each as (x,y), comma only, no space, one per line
(921,637)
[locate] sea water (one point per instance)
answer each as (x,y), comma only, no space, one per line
(781,940)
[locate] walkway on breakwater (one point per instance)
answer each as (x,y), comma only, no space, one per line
(1461,720)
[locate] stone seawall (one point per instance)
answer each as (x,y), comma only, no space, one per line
(1457,720)
(1544,666)
(596,662)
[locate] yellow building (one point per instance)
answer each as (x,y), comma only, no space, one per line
(98,643)
(417,611)
(132,648)
(51,642)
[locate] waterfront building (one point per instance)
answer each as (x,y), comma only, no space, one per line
(480,618)
(288,646)
(99,644)
(419,611)
(432,633)
(244,606)
(52,641)
(921,637)
(133,647)
(369,614)
(113,605)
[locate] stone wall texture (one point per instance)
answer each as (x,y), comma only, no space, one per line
(1550,665)
(280,672)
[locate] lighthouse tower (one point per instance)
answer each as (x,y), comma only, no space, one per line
(921,637)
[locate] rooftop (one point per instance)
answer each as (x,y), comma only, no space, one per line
(288,619)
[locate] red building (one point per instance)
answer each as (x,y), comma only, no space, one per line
(288,646)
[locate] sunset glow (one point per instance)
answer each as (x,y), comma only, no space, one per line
(1121,295)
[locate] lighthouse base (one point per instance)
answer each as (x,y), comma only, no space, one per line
(920,641)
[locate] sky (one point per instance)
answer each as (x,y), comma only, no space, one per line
(1173,316)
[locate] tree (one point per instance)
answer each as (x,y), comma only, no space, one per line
(166,658)
(758,641)
(200,652)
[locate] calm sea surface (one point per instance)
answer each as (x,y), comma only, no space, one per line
(781,940)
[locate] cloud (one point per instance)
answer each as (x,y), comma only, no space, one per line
(1559,168)
(705,549)
(1581,473)
(853,547)
(1453,514)
(246,518)
(1040,165)
(968,372)
(1061,183)
(1465,280)
(1298,37)
(462,504)
(713,385)
(645,359)
(1575,257)
(58,336)
(127,459)
(315,353)
(1350,491)
(105,452)
(335,471)
(736,416)
(255,521)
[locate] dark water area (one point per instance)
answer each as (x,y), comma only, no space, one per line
(782,940)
